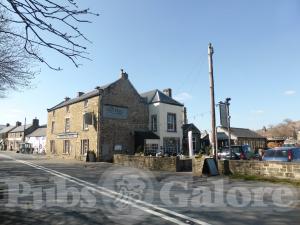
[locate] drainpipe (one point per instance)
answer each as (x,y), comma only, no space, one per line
(99,123)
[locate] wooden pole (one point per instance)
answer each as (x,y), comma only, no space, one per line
(212,97)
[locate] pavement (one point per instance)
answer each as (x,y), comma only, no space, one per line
(38,190)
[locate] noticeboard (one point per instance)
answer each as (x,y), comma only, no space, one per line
(115,112)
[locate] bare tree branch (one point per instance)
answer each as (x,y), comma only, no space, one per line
(43,21)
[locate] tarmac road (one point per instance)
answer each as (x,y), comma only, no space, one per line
(36,190)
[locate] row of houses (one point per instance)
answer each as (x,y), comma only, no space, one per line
(12,136)
(115,118)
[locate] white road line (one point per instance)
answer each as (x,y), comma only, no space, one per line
(111,194)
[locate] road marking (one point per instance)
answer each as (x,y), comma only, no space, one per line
(144,206)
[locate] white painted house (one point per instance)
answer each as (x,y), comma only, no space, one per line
(37,139)
(166,117)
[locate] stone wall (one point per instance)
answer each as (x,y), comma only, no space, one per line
(282,170)
(170,164)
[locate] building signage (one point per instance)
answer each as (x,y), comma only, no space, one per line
(67,135)
(115,112)
(223,115)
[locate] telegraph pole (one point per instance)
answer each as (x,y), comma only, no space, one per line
(212,96)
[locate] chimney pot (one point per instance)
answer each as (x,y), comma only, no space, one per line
(67,98)
(123,75)
(18,124)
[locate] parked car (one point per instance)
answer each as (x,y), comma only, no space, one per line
(239,152)
(283,154)
(25,148)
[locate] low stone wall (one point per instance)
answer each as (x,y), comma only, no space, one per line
(170,164)
(282,170)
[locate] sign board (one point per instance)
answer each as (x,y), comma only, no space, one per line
(223,115)
(67,135)
(211,164)
(115,112)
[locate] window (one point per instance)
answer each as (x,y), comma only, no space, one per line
(154,123)
(53,113)
(85,126)
(66,149)
(194,144)
(52,147)
(52,127)
(85,104)
(67,108)
(84,146)
(67,125)
(171,120)
(151,149)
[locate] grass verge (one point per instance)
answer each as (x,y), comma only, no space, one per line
(274,180)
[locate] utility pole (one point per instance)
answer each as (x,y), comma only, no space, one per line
(212,96)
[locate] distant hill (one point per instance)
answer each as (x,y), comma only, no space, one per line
(287,128)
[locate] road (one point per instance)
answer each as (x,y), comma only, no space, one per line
(36,190)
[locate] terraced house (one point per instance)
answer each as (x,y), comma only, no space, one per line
(105,120)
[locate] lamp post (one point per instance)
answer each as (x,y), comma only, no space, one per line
(227,103)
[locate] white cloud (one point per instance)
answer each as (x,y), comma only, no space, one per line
(258,112)
(182,97)
(290,92)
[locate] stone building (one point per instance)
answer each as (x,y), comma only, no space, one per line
(4,136)
(104,120)
(17,135)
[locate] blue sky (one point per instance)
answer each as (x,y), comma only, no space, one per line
(163,43)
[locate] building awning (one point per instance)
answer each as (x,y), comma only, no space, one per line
(145,135)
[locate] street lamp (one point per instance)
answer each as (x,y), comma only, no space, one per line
(227,104)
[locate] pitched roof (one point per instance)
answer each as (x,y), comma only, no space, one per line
(40,132)
(2,126)
(80,98)
(155,96)
(222,136)
(6,129)
(244,133)
(187,127)
(20,128)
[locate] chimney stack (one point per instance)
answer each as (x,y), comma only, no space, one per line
(35,122)
(67,99)
(185,120)
(18,123)
(123,75)
(79,94)
(168,92)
